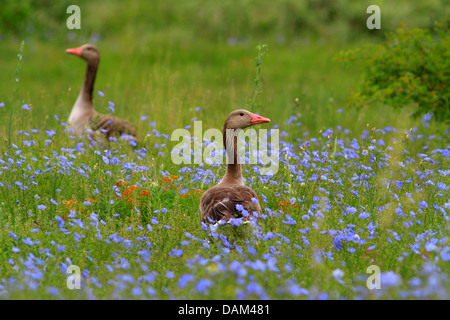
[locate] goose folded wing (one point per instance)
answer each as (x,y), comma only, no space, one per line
(220,203)
(111,126)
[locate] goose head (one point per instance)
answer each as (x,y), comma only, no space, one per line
(87,52)
(241,119)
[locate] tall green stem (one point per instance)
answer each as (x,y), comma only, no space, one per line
(16,88)
(262,49)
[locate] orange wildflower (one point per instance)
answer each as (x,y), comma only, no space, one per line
(285,205)
(195,193)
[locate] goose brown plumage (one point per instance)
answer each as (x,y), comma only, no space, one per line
(83,115)
(219,202)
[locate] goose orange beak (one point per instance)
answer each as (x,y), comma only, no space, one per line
(75,51)
(258,119)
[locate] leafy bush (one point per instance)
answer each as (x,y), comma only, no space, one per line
(412,65)
(226,19)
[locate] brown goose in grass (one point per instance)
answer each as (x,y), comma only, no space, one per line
(83,115)
(219,202)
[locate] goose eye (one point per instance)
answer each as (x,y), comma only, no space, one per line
(241,114)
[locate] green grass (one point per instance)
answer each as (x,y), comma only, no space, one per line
(165,75)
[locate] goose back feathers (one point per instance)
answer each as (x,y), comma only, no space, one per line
(219,203)
(111,126)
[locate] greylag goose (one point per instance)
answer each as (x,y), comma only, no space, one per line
(83,115)
(219,202)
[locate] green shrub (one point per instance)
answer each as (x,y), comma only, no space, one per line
(411,65)
(226,19)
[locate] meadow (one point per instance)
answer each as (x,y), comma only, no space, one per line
(355,188)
